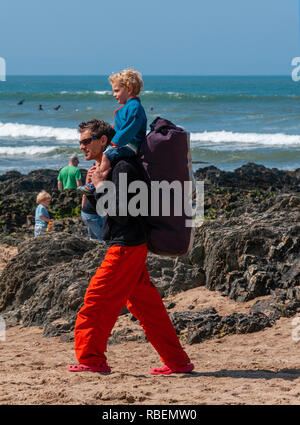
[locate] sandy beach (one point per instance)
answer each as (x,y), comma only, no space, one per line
(261,368)
(47,276)
(6,253)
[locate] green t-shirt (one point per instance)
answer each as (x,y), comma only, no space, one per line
(68,176)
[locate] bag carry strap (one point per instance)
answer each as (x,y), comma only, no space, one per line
(161,125)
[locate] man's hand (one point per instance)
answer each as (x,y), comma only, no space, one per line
(99,176)
(89,174)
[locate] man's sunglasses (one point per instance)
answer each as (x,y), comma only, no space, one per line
(88,141)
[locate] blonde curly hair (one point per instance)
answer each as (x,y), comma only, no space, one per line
(129,78)
(42,196)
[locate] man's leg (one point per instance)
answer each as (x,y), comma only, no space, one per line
(146,305)
(106,295)
(95,224)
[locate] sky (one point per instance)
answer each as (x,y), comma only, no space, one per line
(158,37)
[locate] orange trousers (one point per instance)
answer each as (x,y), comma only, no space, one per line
(123,279)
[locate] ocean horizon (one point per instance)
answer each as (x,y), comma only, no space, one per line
(232,120)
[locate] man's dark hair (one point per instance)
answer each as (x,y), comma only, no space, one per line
(98,128)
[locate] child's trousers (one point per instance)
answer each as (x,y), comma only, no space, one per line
(123,279)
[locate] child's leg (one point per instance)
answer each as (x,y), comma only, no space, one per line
(112,154)
(109,156)
(105,163)
(89,188)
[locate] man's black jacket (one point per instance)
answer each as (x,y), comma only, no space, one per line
(124,230)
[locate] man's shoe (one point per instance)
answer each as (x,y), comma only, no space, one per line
(166,370)
(104,368)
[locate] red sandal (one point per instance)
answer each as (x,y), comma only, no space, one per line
(104,368)
(166,370)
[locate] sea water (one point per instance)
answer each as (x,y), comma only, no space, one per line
(231,120)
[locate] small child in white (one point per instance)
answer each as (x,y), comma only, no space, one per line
(42,217)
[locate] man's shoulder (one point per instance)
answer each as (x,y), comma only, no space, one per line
(130,166)
(124,163)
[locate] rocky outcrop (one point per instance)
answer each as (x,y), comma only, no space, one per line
(249,256)
(51,274)
(249,188)
(17,211)
(196,326)
(14,182)
(247,247)
(251,176)
(18,201)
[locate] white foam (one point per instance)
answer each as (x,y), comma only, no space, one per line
(25,150)
(103,92)
(100,92)
(74,92)
(266,139)
(17,131)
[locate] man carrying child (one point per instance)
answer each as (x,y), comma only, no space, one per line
(123,278)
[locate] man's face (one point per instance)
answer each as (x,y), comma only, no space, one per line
(94,149)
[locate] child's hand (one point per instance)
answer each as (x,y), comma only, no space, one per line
(89,174)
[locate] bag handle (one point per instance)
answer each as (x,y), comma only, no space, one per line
(161,125)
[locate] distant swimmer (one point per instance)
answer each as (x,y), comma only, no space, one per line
(21,102)
(57,107)
(40,108)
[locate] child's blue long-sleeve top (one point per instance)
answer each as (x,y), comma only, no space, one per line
(130,125)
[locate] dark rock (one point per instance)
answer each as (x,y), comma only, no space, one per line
(127,334)
(57,329)
(51,274)
(182,320)
(203,324)
(171,276)
(250,176)
(247,247)
(67,337)
(14,182)
(283,304)
(170,305)
(249,256)
(18,200)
